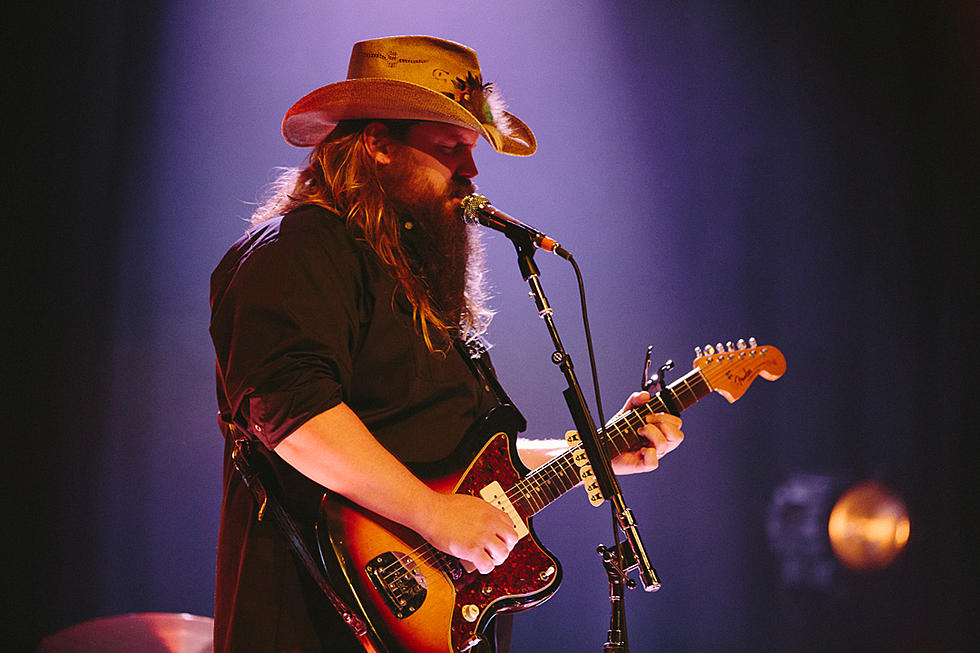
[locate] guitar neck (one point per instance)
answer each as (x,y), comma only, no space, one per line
(556,477)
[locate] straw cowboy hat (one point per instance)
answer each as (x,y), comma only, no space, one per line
(410,77)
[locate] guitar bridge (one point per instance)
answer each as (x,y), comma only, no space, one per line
(398,581)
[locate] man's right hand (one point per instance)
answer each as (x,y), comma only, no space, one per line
(337,451)
(469,528)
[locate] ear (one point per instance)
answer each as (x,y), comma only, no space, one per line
(378,142)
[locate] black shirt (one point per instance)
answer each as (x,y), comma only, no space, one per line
(304,316)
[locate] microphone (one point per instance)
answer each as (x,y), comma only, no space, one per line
(477,209)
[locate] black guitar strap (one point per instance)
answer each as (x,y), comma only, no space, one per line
(474,352)
(244,456)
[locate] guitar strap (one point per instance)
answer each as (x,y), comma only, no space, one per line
(245,457)
(475,353)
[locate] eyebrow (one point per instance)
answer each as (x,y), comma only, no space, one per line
(455,141)
(463,136)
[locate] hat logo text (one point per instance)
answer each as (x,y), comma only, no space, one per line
(392,58)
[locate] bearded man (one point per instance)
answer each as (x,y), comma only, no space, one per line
(334,320)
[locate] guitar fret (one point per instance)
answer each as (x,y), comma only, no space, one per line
(690,388)
(690,393)
(523,502)
(538,502)
(556,477)
(546,492)
(541,482)
(569,477)
(636,422)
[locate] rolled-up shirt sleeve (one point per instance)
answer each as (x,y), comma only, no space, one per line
(285,317)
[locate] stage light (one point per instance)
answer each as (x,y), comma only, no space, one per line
(868,527)
(814,519)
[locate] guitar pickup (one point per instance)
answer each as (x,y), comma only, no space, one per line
(398,581)
(494,495)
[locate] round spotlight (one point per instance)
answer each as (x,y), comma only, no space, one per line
(868,527)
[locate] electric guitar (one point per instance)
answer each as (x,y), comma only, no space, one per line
(416,598)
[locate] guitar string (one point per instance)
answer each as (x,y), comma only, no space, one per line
(520,489)
(629,418)
(428,554)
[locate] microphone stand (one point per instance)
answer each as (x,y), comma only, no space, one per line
(616,561)
(585,425)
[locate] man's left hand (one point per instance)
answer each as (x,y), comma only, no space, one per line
(663,434)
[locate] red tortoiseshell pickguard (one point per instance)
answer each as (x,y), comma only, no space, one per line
(530,574)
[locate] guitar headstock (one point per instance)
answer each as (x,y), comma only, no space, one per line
(731,368)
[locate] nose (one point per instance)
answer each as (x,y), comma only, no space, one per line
(467,167)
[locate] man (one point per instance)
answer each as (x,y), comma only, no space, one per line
(333,321)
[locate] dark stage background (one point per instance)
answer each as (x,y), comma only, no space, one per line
(804,174)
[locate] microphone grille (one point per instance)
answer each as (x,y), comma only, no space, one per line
(471,204)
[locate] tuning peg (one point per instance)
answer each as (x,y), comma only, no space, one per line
(729,346)
(720,348)
(753,343)
(741,343)
(698,353)
(709,350)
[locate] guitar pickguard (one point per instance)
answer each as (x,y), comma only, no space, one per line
(530,574)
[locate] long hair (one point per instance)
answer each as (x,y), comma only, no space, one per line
(342,177)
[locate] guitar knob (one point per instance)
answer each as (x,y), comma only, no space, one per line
(470,612)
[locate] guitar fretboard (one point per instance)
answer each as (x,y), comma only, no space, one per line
(556,477)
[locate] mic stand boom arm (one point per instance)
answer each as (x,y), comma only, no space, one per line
(598,458)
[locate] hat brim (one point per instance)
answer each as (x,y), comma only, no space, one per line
(316,114)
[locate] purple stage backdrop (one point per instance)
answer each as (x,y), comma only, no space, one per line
(803,174)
